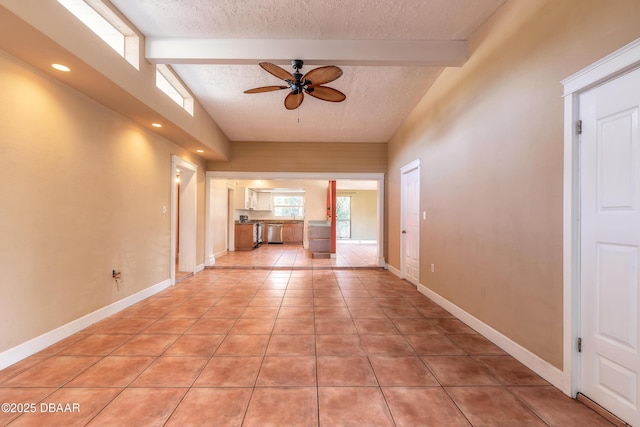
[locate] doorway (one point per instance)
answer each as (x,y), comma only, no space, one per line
(214,240)
(602,232)
(231,201)
(610,242)
(410,219)
(183,217)
(179,274)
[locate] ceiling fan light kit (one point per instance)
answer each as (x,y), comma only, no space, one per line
(310,83)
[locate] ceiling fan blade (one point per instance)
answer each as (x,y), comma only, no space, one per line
(322,75)
(265,89)
(293,101)
(327,94)
(276,71)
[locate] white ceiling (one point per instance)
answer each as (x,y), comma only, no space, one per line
(390,52)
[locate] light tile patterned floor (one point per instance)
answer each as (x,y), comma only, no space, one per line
(260,347)
(348,255)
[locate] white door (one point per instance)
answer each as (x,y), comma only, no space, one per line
(411,222)
(610,242)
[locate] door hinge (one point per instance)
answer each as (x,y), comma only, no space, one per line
(579,345)
(579,127)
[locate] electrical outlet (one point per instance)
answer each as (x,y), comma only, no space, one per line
(433,268)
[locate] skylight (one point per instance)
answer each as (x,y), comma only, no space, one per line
(168,83)
(108,26)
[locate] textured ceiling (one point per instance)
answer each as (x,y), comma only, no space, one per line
(380,94)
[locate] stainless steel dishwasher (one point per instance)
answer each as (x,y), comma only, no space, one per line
(275,233)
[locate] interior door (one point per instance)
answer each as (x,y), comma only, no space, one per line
(610,241)
(411,224)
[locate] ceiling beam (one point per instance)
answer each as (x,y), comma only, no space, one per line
(170,50)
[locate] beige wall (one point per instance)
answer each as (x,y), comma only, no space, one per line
(82,194)
(364,217)
(304,157)
(43,32)
(490,139)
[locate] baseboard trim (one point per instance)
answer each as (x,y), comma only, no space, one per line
(547,371)
(218,255)
(394,270)
(28,348)
(199,268)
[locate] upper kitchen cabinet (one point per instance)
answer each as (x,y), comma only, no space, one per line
(246,198)
(265,201)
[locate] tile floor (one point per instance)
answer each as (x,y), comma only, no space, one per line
(348,254)
(264,347)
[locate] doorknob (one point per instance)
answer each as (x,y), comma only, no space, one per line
(404,231)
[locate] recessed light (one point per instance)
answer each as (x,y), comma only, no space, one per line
(61,67)
(200,151)
(156,125)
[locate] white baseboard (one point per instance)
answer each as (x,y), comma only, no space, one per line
(547,371)
(394,270)
(218,255)
(550,373)
(26,349)
(199,268)
(209,260)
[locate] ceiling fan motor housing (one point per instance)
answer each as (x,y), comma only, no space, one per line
(297,85)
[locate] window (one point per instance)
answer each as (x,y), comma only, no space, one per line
(168,83)
(108,26)
(288,205)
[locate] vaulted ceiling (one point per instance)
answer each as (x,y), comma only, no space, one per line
(390,52)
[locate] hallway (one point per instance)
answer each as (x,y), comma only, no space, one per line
(259,347)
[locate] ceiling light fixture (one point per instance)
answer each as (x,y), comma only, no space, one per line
(200,151)
(156,125)
(61,67)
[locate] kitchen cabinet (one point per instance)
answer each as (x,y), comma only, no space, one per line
(264,202)
(293,232)
(246,237)
(246,198)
